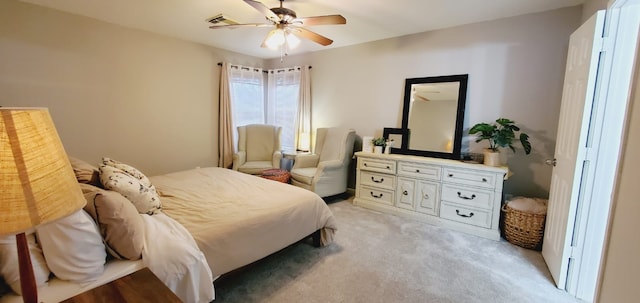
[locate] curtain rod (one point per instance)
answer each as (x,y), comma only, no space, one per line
(220,64)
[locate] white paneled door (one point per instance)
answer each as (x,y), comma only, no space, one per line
(573,157)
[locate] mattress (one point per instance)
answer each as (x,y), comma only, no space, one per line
(237,218)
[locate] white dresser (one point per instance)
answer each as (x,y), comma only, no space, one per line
(461,196)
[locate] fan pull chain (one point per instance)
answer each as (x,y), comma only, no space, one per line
(282,52)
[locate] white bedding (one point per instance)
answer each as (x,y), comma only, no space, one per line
(169,252)
(173,256)
(237,218)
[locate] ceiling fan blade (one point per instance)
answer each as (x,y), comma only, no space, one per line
(234,26)
(264,10)
(320,20)
(307,34)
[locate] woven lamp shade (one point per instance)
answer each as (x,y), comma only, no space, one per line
(37,181)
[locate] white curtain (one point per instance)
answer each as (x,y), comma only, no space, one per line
(303,120)
(247,97)
(283,93)
(225,122)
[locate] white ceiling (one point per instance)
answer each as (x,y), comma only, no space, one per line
(367,20)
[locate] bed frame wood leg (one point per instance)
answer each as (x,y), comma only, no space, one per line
(316,238)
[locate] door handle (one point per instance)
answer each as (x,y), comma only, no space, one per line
(551,162)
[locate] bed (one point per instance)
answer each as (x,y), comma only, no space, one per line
(238,218)
(223,219)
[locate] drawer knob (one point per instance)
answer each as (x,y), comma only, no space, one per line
(463,215)
(377,181)
(377,197)
(484,179)
(466,197)
(405,193)
(426,196)
(450,175)
(417,170)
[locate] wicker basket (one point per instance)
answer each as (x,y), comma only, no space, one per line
(522,228)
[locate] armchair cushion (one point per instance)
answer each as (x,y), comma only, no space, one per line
(255,167)
(304,175)
(260,143)
(334,144)
(306,160)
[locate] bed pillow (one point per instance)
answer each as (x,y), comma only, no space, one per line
(130,170)
(87,188)
(9,262)
(119,223)
(144,197)
(85,172)
(73,248)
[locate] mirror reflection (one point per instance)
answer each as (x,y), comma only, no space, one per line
(433,114)
(431,109)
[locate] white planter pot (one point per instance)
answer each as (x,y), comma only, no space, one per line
(492,158)
(377,149)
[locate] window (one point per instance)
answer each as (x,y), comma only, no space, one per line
(282,103)
(280,107)
(247,97)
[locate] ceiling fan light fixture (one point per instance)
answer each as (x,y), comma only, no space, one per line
(292,40)
(275,38)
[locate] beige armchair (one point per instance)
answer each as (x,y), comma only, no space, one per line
(326,171)
(258,148)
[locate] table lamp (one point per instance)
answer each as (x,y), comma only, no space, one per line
(37,181)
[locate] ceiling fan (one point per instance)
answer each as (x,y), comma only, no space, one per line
(288,26)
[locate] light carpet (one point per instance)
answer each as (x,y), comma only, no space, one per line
(379,257)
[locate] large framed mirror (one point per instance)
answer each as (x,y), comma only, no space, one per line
(433,115)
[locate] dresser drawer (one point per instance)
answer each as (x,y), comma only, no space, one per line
(465,215)
(377,180)
(376,194)
(464,195)
(378,165)
(418,170)
(471,177)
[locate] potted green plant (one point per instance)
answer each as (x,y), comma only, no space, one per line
(378,144)
(502,133)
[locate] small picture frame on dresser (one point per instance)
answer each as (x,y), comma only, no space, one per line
(367,145)
(398,135)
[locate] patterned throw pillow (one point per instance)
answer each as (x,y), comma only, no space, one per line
(130,170)
(144,197)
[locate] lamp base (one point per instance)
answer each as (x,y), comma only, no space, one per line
(27,278)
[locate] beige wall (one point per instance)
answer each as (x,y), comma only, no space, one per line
(590,7)
(143,98)
(515,66)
